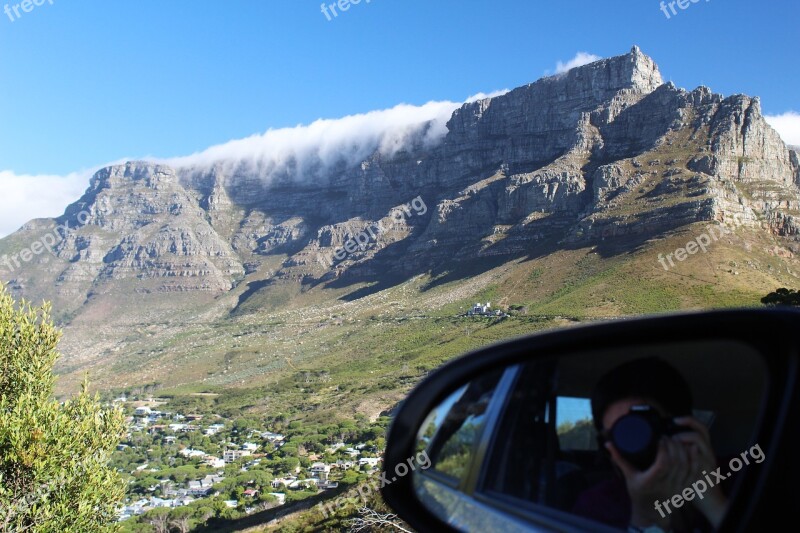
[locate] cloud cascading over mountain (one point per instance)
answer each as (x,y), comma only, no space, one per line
(303,152)
(788,125)
(25,197)
(580,59)
(309,152)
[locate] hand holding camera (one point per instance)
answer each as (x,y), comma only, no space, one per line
(636,435)
(659,457)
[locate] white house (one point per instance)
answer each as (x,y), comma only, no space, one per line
(196,488)
(272,437)
(231,456)
(214,462)
(481,309)
(281,497)
(320,471)
(213,429)
(180,501)
(304,483)
(276,483)
(188,452)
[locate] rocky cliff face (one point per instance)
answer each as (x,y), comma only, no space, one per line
(137,222)
(604,151)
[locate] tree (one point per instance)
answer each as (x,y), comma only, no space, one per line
(181,519)
(54,472)
(371,518)
(159,519)
(782,296)
(261,478)
(205,513)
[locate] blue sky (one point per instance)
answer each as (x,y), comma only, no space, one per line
(86,83)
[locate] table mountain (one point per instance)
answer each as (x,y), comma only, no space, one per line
(604,155)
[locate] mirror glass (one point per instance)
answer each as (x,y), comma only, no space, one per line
(452,429)
(645,436)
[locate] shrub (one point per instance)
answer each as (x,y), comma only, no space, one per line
(54,473)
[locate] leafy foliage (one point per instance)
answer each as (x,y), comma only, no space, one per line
(782,296)
(53,456)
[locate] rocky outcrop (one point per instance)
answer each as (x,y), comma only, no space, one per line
(602,151)
(136,221)
(794,157)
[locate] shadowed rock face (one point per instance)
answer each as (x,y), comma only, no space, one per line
(573,158)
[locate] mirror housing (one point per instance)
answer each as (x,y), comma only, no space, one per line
(770,332)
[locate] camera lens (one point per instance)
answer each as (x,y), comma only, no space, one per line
(632,434)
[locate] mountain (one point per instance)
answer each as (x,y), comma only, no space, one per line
(553,196)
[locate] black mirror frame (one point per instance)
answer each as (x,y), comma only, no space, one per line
(772,331)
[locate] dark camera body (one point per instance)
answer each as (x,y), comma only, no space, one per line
(637,434)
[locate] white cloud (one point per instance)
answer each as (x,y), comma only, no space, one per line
(483,96)
(580,59)
(27,197)
(787,125)
(308,152)
(304,152)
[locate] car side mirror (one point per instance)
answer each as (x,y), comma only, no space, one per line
(515,436)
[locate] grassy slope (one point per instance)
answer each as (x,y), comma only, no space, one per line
(322,356)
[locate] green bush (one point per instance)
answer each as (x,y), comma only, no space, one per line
(54,473)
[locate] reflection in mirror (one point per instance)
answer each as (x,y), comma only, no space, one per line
(451,430)
(619,438)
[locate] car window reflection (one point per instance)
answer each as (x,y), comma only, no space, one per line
(452,429)
(550,449)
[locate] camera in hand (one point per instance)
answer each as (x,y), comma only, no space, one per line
(636,435)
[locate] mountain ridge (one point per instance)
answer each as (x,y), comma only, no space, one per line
(605,156)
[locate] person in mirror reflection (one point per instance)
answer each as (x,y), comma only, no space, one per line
(635,498)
